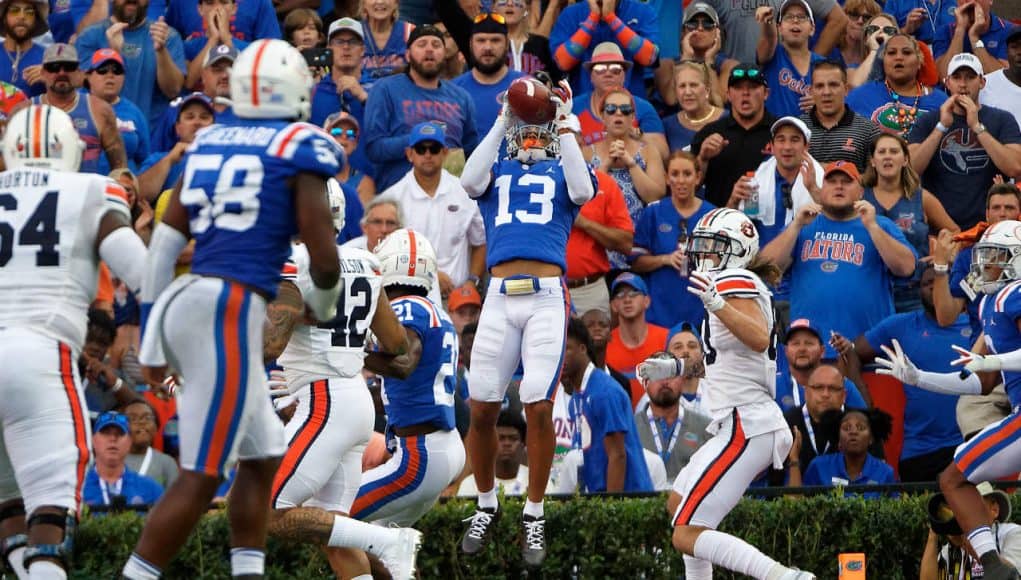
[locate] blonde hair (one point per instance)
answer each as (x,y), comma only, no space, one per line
(703,71)
(909,181)
(869,7)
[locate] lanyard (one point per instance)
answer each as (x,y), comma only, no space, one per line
(576,417)
(811,432)
(653,426)
(114,489)
(796,390)
(933,16)
(144,468)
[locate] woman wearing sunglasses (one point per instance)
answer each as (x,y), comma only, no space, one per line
(898,98)
(876,32)
(851,47)
(385,36)
(344,129)
(637,169)
(701,42)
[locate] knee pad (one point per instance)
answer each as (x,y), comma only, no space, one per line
(68,521)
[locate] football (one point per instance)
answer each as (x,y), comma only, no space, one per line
(529,100)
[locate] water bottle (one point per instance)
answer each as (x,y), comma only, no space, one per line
(682,244)
(751,205)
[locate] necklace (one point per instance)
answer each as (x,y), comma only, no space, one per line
(687,117)
(906,117)
(15,61)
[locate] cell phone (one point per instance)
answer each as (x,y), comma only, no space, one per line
(319,57)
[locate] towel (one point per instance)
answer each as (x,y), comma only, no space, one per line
(765,177)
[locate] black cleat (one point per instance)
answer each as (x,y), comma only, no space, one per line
(480,526)
(533,544)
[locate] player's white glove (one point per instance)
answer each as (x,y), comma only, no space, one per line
(701,284)
(897,364)
(975,362)
(277,383)
(563,96)
(655,369)
(506,116)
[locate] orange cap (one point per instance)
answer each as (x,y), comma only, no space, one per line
(464,295)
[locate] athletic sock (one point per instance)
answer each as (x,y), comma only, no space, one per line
(137,568)
(487,499)
(46,570)
(247,561)
(733,554)
(533,508)
(348,533)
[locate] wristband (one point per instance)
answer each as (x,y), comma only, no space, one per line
(117,385)
(941,268)
(941,127)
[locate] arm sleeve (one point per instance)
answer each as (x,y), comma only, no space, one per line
(470,129)
(958,272)
(570,39)
(581,182)
(854,398)
(125,253)
(142,127)
(476,228)
(89,41)
(308,149)
(811,475)
(638,42)
(477,172)
(941,41)
(1008,132)
(880,334)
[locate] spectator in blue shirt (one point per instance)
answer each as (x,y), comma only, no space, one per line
(802,353)
(105,80)
(385,40)
(931,434)
(853,464)
(975,30)
(604,428)
(61,20)
(346,131)
(152,50)
(341,90)
(161,170)
(216,20)
(401,101)
(110,483)
(21,59)
(785,58)
(921,18)
(254,19)
(489,77)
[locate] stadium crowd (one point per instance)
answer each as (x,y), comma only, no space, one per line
(683,108)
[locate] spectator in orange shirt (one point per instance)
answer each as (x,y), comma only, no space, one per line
(603,224)
(634,339)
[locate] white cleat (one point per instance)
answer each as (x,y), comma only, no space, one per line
(399,557)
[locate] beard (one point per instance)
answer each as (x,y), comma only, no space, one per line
(840,212)
(138,15)
(489,68)
(428,71)
(665,398)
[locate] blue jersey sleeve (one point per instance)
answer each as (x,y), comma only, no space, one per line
(645,232)
(308,149)
(266,24)
(1010,305)
(883,333)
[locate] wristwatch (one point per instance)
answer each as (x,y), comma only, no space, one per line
(978,44)
(978,129)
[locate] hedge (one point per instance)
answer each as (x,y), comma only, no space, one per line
(593,538)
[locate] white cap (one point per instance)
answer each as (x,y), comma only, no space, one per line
(794,122)
(965,59)
(802,3)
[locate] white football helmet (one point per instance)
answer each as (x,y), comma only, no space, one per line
(1000,247)
(270,80)
(407,258)
(338,202)
(726,234)
(44,137)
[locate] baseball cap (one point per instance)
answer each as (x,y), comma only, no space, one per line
(340,117)
(696,8)
(220,52)
(629,279)
(747,72)
(349,24)
(803,3)
(1013,34)
(801,324)
(60,52)
(464,296)
(845,167)
(607,52)
(793,122)
(103,55)
(965,59)
(195,97)
(427,132)
(420,31)
(111,418)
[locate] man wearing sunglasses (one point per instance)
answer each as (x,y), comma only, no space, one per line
(437,206)
(94,119)
(584,26)
(489,76)
(20,60)
(105,80)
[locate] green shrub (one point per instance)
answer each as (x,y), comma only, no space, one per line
(597,538)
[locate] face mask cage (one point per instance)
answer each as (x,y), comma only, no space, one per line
(703,247)
(988,255)
(530,143)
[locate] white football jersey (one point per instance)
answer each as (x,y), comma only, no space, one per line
(335,348)
(735,375)
(49,265)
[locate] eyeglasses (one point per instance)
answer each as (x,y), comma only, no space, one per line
(628,294)
(604,68)
(498,18)
(55,67)
(433,148)
(350,42)
(19,10)
(887,30)
(514,3)
(796,18)
(346,133)
(741,73)
(862,16)
(107,69)
(623,109)
(696,23)
(382,222)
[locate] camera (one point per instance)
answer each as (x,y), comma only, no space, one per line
(320,57)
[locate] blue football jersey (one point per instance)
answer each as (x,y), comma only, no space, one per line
(235,186)
(528,213)
(427,396)
(1000,313)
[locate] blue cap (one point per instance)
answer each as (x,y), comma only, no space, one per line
(111,418)
(427,132)
(801,324)
(679,328)
(631,280)
(196,97)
